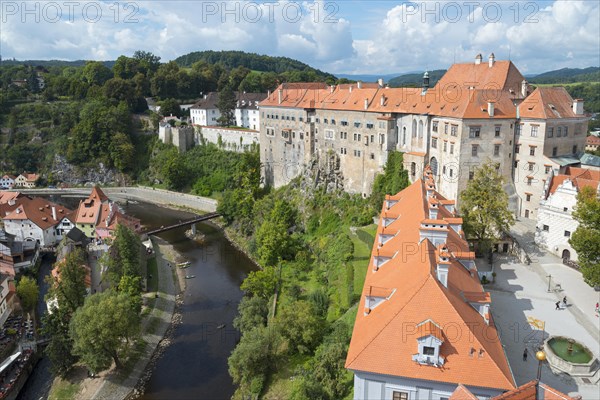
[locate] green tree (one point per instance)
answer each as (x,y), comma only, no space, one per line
(252,312)
(170,107)
(273,240)
(28,292)
(301,325)
(253,357)
(393,180)
(586,239)
(125,255)
(226,106)
(69,290)
(60,347)
(260,283)
(104,329)
(96,73)
(484,206)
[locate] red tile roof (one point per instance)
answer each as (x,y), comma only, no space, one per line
(580,177)
(39,211)
(384,340)
(592,140)
(527,391)
(548,103)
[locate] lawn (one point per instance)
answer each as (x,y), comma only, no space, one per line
(63,390)
(363,241)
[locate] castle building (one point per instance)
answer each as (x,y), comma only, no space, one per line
(421,294)
(477,112)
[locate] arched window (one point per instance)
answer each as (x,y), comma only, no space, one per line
(420,129)
(404,136)
(434,166)
(414,128)
(413,169)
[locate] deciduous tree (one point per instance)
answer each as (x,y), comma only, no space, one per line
(28,292)
(586,239)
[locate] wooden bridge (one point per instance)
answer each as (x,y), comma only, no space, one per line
(192,221)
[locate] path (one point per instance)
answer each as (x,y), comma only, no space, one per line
(114,387)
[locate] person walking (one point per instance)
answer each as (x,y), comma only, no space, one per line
(557,305)
(525,354)
(565,301)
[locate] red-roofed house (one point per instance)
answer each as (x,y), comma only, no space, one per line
(7,182)
(26,180)
(534,390)
(555,223)
(592,143)
(36,220)
(422,295)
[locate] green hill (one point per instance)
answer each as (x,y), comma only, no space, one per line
(568,75)
(416,80)
(252,61)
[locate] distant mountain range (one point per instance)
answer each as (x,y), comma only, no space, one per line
(568,75)
(52,63)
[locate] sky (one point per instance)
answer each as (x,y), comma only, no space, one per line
(350,37)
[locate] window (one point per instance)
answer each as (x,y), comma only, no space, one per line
(434,143)
(531,151)
(344,123)
(559,131)
(534,130)
(399,395)
(526,213)
(528,197)
(496,149)
(546,228)
(317,120)
(567,234)
(566,131)
(329,134)
(554,151)
(372,138)
(370,125)
(471,175)
(497,131)
(356,153)
(434,126)
(451,148)
(547,169)
(550,131)
(270,132)
(517,147)
(343,151)
(343,135)
(519,128)
(446,128)
(531,166)
(574,149)
(325,120)
(381,124)
(474,131)
(529,181)
(428,351)
(451,172)
(474,150)
(445,146)
(332,121)
(454,130)
(372,156)
(357,124)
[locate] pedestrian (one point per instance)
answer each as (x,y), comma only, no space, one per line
(565,301)
(597,307)
(557,305)
(525,355)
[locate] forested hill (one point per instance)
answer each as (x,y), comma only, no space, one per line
(568,75)
(252,61)
(416,80)
(52,63)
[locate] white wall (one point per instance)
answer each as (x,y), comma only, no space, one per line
(232,139)
(26,230)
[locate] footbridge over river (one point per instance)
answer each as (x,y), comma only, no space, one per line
(187,222)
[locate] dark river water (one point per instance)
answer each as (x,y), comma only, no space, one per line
(194,366)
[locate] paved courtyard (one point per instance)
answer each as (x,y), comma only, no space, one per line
(521,291)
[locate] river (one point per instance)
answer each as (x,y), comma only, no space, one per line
(194,366)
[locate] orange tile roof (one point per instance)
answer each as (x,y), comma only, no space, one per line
(548,103)
(592,140)
(580,177)
(384,340)
(526,391)
(462,393)
(39,211)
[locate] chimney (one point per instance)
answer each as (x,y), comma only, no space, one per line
(54,213)
(524,88)
(268,93)
(359,85)
(366,104)
(380,82)
(578,106)
(490,109)
(279,95)
(478,59)
(426,81)
(350,88)
(382,101)
(492,60)
(331,88)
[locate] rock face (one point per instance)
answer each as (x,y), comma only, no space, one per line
(62,171)
(323,173)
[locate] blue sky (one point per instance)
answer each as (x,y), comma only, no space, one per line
(366,37)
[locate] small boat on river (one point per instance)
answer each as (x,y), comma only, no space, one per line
(190,276)
(184,264)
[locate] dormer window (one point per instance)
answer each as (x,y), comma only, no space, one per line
(429,342)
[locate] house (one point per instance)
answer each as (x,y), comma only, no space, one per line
(7,182)
(555,223)
(98,217)
(533,390)
(36,220)
(421,290)
(477,112)
(16,255)
(5,298)
(206,113)
(591,144)
(9,201)
(26,180)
